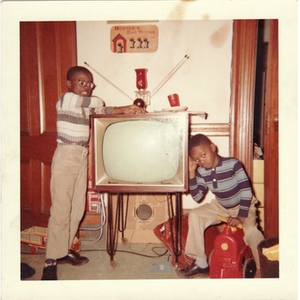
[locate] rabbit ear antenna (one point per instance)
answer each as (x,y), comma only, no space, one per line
(107,80)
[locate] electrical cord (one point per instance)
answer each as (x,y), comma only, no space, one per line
(136,253)
(170,213)
(122,251)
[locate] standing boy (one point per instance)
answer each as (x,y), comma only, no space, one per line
(69,167)
(227,180)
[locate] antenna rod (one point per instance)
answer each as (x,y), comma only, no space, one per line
(171,73)
(109,81)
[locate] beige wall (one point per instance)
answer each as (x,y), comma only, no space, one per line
(202,82)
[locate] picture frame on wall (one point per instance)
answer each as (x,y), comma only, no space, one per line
(128,38)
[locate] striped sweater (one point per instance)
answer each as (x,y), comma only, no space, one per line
(227,181)
(73,117)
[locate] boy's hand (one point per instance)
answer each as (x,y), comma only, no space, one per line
(129,109)
(235,221)
(192,168)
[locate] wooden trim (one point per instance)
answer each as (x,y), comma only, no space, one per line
(210,129)
(271,137)
(243,91)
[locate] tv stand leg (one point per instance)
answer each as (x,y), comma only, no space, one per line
(111,240)
(177,242)
(122,216)
(120,225)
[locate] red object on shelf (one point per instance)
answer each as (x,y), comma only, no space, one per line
(174,100)
(231,257)
(141,79)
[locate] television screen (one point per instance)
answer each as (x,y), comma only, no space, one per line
(140,152)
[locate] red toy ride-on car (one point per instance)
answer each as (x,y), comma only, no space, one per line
(231,257)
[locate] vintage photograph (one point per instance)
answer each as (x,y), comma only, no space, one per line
(148,150)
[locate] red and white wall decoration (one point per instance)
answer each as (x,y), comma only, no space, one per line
(134,38)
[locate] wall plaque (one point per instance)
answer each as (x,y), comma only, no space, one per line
(134,38)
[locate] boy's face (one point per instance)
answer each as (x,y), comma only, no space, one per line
(81,84)
(205,156)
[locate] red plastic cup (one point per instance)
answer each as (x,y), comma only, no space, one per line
(174,100)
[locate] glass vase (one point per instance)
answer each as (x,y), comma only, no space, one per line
(141,79)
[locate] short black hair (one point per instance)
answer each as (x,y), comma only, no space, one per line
(76,69)
(199,139)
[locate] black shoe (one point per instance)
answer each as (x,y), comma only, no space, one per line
(192,270)
(50,270)
(73,258)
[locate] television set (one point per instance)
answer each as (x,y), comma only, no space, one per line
(140,153)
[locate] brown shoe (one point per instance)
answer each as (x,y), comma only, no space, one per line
(73,258)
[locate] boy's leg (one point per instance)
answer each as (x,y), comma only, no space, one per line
(63,177)
(62,184)
(79,197)
(252,236)
(199,219)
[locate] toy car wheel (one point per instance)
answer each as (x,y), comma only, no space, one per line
(34,249)
(249,268)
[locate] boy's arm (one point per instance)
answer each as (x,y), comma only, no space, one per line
(197,190)
(245,189)
(197,185)
(70,100)
(129,109)
(246,195)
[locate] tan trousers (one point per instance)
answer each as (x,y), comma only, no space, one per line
(206,215)
(68,195)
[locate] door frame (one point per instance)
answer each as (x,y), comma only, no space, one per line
(243,91)
(242,112)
